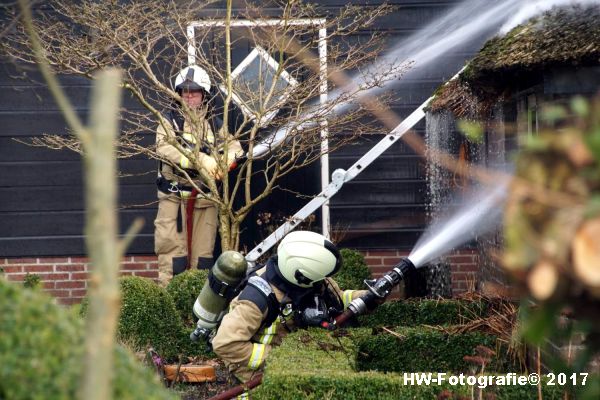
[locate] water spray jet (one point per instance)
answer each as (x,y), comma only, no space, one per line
(480,214)
(470,19)
(438,240)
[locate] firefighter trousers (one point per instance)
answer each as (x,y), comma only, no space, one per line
(170,235)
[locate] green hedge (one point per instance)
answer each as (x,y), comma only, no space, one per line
(41,348)
(426,349)
(423,312)
(354,270)
(332,386)
(377,386)
(184,289)
(149,318)
(315,365)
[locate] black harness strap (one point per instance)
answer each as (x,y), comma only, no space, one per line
(179,220)
(221,288)
(259,292)
(171,187)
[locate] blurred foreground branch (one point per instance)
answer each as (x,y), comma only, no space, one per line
(101,227)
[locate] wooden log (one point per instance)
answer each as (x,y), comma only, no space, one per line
(586,253)
(190,373)
(578,152)
(542,280)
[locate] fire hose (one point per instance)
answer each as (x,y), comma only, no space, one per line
(378,291)
(239,389)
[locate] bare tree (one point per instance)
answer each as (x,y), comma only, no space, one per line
(104,248)
(149,41)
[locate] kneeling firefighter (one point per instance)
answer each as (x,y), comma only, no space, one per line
(293,290)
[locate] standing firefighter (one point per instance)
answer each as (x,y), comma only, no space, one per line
(293,290)
(190,141)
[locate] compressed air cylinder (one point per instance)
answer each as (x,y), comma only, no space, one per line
(220,287)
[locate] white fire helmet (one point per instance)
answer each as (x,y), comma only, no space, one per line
(192,78)
(307,257)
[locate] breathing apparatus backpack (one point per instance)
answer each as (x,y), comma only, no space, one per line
(230,276)
(225,281)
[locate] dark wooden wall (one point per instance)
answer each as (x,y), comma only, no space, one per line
(385,206)
(41,196)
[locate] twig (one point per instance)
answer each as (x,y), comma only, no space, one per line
(131,233)
(399,336)
(53,85)
(539,372)
(177,371)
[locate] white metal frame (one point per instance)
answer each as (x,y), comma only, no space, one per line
(341,176)
(262,53)
(323,91)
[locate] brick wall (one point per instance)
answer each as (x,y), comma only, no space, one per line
(66,278)
(464,266)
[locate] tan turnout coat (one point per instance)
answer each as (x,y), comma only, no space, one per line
(243,345)
(170,245)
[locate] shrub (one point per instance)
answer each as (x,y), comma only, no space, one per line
(315,364)
(149,318)
(426,349)
(42,348)
(417,312)
(184,288)
(354,270)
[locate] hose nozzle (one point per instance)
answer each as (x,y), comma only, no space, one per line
(382,287)
(379,290)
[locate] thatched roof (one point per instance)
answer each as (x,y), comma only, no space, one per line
(458,97)
(561,37)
